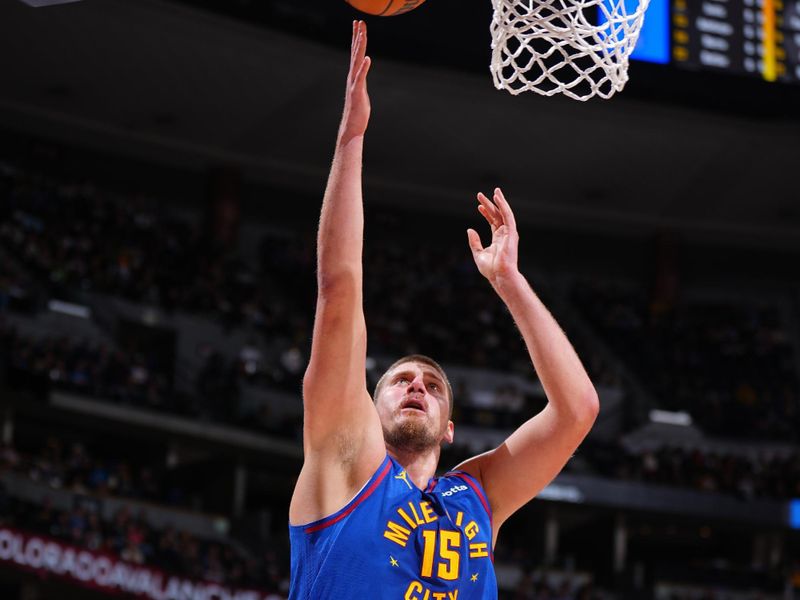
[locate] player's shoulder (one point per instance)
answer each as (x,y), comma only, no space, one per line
(460,485)
(472,468)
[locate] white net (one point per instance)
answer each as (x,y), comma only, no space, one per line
(579,48)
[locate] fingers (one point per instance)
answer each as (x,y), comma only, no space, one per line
(504,208)
(354,47)
(361,76)
(474,241)
(489,211)
(359,62)
(485,212)
(358,45)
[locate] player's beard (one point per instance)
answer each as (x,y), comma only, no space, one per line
(415,435)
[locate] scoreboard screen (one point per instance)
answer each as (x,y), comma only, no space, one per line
(760,38)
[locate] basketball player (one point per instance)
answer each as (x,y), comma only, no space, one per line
(368,519)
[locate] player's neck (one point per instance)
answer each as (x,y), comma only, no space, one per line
(420,465)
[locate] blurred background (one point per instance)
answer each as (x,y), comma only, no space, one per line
(162,165)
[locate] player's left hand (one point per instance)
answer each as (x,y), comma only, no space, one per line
(498,261)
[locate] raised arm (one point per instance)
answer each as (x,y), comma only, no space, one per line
(342,437)
(513,473)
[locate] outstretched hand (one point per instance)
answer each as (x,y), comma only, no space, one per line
(356,104)
(498,261)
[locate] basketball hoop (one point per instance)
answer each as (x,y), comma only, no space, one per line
(579,48)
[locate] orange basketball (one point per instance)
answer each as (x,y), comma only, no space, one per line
(385,8)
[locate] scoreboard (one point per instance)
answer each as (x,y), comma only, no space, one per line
(760,38)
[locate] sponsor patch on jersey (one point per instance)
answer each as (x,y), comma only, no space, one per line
(454,490)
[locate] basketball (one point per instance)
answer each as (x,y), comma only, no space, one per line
(385,8)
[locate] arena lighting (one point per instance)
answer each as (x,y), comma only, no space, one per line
(561,493)
(38,3)
(794,514)
(67,308)
(667,417)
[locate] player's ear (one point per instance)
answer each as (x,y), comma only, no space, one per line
(449,433)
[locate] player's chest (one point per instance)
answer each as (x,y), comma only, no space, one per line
(435,544)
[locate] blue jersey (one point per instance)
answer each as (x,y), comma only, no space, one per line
(394,541)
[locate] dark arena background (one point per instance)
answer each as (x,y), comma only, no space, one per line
(162,165)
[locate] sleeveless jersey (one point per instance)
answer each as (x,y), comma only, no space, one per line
(394,541)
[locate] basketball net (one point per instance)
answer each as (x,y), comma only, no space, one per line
(579,48)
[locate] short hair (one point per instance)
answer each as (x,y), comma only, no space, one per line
(418,358)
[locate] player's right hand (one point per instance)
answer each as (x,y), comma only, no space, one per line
(356,104)
(498,261)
